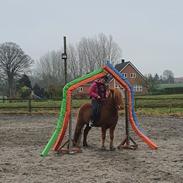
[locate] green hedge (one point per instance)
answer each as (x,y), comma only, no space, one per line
(171,90)
(176,90)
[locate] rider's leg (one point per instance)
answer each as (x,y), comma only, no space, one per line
(95,111)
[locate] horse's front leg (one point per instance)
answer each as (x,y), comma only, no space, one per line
(111,131)
(103,138)
(86,130)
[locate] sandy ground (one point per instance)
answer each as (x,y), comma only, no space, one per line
(22,138)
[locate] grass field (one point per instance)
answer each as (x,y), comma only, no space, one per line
(158,105)
(158,101)
(148,105)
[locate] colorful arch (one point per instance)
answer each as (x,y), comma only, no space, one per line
(62,123)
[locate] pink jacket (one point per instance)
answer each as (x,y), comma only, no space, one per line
(97,89)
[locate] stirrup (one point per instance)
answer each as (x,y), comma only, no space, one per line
(91,124)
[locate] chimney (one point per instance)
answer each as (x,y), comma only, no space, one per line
(122,60)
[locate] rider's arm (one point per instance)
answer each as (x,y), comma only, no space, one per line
(93,91)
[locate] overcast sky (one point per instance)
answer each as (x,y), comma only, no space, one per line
(149,32)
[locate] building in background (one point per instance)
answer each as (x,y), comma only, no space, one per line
(135,77)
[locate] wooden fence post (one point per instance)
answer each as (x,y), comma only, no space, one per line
(29,105)
(170,107)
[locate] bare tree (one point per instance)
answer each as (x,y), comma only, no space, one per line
(89,54)
(50,69)
(72,62)
(86,53)
(168,76)
(93,52)
(13,62)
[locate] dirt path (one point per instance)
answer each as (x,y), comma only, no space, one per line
(22,138)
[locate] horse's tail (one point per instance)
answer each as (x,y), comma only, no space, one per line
(82,119)
(78,132)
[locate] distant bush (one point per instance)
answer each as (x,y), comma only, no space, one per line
(24,92)
(176,90)
(171,90)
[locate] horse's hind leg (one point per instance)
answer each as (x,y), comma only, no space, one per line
(103,138)
(86,130)
(77,135)
(111,131)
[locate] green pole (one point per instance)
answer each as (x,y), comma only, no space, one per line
(63,110)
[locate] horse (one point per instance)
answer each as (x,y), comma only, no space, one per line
(107,120)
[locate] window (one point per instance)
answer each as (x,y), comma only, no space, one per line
(133,75)
(80,89)
(125,75)
(141,89)
(137,88)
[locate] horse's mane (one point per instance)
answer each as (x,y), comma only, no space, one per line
(117,95)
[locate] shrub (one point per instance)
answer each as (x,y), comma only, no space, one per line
(24,92)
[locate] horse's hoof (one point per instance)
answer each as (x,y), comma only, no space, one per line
(85,145)
(79,147)
(103,148)
(112,148)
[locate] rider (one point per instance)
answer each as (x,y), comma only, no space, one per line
(97,92)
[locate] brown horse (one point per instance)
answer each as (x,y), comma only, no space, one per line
(108,118)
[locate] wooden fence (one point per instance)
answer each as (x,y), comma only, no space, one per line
(27,105)
(30,105)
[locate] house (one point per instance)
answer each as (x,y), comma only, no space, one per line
(135,77)
(82,92)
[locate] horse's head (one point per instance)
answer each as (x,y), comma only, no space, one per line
(117,98)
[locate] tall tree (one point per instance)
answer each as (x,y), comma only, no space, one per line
(108,49)
(50,69)
(168,76)
(13,62)
(152,84)
(156,78)
(24,81)
(93,52)
(89,54)
(3,87)
(73,64)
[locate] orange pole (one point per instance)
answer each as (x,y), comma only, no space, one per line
(68,107)
(149,142)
